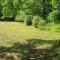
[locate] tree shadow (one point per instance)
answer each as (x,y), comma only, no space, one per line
(34,49)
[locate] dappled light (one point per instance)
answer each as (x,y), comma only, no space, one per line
(34,49)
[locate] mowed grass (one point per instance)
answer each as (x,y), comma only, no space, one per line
(12,32)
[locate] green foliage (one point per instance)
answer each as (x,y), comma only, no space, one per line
(54,16)
(41,24)
(38,22)
(35,20)
(28,21)
(11,8)
(55,28)
(7,8)
(21,16)
(0,9)
(56,4)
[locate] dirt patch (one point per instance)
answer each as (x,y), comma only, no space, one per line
(10,56)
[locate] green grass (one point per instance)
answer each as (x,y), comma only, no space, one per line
(12,32)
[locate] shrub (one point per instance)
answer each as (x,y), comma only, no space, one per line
(41,24)
(54,16)
(55,28)
(35,21)
(38,22)
(28,20)
(21,16)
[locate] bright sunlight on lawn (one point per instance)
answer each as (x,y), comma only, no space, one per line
(12,32)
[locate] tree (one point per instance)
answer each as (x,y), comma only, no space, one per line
(47,8)
(0,9)
(56,4)
(8,8)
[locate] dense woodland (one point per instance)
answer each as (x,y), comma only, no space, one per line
(43,14)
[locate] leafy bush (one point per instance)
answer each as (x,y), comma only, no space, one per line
(28,20)
(38,22)
(55,4)
(21,16)
(35,21)
(41,24)
(55,28)
(54,16)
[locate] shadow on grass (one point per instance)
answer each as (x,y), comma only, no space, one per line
(34,49)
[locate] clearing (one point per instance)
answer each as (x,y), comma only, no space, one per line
(12,32)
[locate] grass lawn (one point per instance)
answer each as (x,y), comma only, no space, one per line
(12,32)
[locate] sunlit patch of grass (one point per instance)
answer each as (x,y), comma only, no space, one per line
(11,32)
